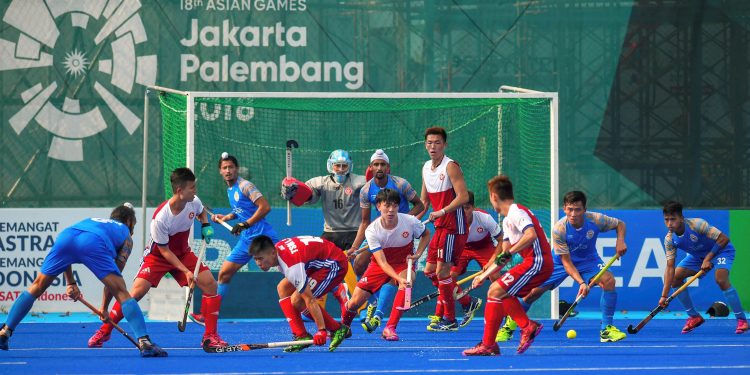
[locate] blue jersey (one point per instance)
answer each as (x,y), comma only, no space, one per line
(242,196)
(697,240)
(113,232)
(371,189)
(580,243)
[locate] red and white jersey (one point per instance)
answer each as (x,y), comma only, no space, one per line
(441,193)
(482,230)
(173,230)
(396,243)
(518,219)
(303,255)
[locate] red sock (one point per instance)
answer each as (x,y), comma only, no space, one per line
(466,299)
(340,294)
(348,316)
(433,277)
(115,315)
(203,306)
(439,307)
(514,309)
(446,292)
(396,313)
(493,315)
(293,317)
(212,304)
(330,323)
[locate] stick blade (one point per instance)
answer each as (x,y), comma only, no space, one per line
(557,326)
(632,330)
(181,326)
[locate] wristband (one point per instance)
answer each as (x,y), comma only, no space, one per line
(203,225)
(443,211)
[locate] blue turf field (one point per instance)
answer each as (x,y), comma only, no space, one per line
(659,348)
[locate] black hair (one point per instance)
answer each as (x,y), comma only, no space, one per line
(501,186)
(672,208)
(574,196)
(180,177)
(230,158)
(436,130)
(388,196)
(259,245)
(123,213)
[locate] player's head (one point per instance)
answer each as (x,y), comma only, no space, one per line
(183,184)
(469,205)
(125,214)
(673,218)
(435,140)
(339,165)
(387,201)
(263,252)
(574,206)
(228,166)
(500,189)
(379,164)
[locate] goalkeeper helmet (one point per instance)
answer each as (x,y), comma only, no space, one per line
(339,157)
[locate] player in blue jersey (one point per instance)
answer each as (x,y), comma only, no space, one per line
(706,248)
(250,208)
(103,246)
(382,179)
(574,241)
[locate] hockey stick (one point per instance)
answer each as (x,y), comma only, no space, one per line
(434,294)
(246,347)
(289,145)
(189,292)
(659,308)
(108,320)
(560,322)
(223,223)
(407,292)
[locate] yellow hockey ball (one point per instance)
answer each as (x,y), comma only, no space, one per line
(571,334)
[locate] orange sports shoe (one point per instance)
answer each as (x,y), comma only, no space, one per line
(742,326)
(480,349)
(528,335)
(692,323)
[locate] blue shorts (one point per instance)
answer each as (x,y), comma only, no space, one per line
(240,253)
(76,246)
(723,260)
(559,275)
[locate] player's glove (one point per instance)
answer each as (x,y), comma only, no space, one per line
(502,258)
(288,191)
(319,338)
(239,227)
(207,232)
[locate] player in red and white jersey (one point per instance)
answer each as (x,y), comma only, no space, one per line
(391,240)
(169,252)
(480,248)
(523,235)
(444,188)
(312,267)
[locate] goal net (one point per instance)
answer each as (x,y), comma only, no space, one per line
(513,133)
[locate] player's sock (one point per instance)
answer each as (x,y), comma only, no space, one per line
(385,299)
(396,313)
(293,317)
(115,315)
(687,302)
(433,277)
(439,307)
(132,312)
(348,315)
(493,315)
(514,309)
(525,305)
(733,300)
(607,304)
(222,290)
(446,287)
(331,324)
(466,299)
(337,293)
(20,308)
(211,304)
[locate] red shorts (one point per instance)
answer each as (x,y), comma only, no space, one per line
(527,275)
(445,247)
(323,280)
(153,268)
(482,256)
(374,277)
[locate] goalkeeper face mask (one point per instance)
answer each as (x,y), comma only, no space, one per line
(339,164)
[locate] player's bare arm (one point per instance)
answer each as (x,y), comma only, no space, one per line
(383,263)
(123,253)
(571,270)
(313,308)
(529,236)
(422,245)
(418,206)
(72,287)
(668,278)
(169,256)
(351,252)
(620,247)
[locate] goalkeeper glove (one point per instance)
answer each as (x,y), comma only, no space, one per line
(207,232)
(239,227)
(288,191)
(502,258)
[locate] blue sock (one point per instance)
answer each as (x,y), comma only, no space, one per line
(132,312)
(733,300)
(685,300)
(20,308)
(607,304)
(223,290)
(385,299)
(526,306)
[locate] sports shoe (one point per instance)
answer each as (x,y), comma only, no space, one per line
(371,308)
(482,350)
(434,320)
(389,334)
(692,323)
(6,333)
(198,319)
(610,333)
(149,349)
(214,341)
(339,336)
(506,331)
(528,335)
(469,311)
(444,326)
(101,336)
(742,326)
(372,324)
(298,348)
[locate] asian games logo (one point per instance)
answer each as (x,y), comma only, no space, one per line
(56,41)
